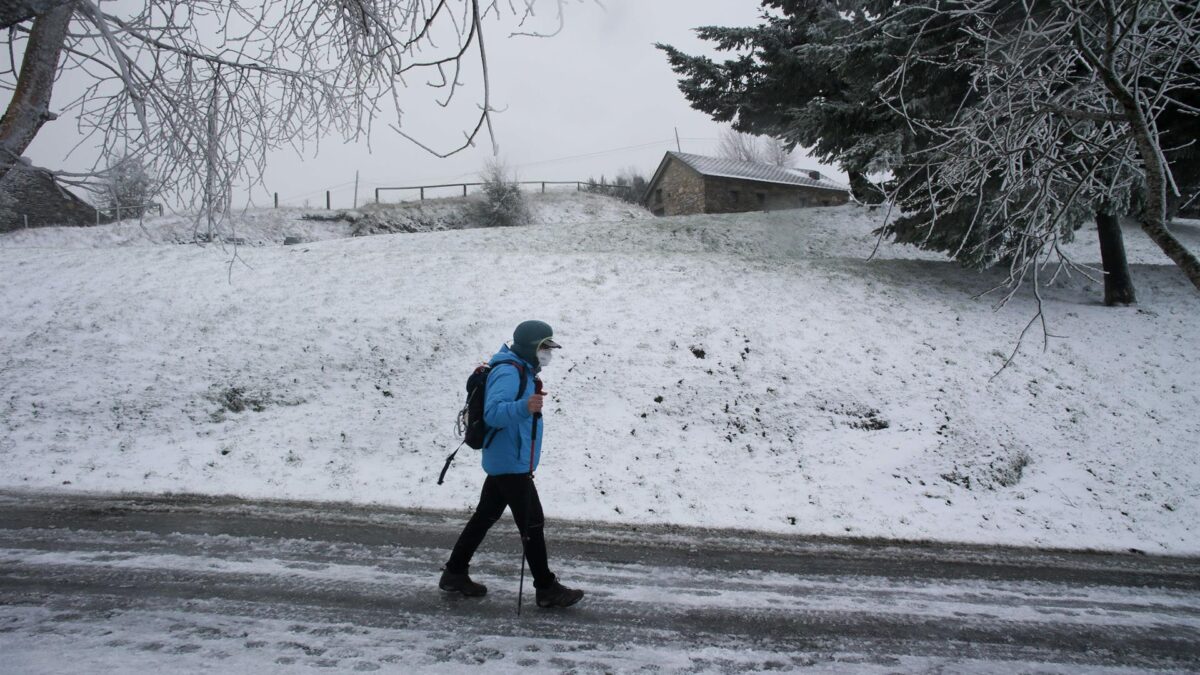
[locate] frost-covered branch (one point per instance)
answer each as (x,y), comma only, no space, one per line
(1060,121)
(203,90)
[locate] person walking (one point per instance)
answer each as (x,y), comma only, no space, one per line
(510,458)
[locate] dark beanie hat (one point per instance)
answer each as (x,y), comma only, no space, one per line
(527,337)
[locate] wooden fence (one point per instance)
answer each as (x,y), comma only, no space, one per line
(113,213)
(579,186)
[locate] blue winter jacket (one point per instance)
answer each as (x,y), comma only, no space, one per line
(508,450)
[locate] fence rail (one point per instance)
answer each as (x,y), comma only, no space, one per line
(580,185)
(137,210)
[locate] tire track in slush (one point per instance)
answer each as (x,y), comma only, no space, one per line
(667,594)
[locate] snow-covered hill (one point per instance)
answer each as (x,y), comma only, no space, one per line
(272,227)
(749,371)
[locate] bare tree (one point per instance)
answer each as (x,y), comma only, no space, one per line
(735,145)
(29,107)
(775,152)
(635,183)
(732,144)
(1060,125)
(204,89)
(13,12)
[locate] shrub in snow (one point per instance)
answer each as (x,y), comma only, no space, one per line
(129,189)
(428,216)
(332,216)
(502,204)
(1003,472)
(629,186)
(235,399)
(637,185)
(1007,471)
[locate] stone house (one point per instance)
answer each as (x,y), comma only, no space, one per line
(685,184)
(32,198)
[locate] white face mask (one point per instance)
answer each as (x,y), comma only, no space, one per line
(544,357)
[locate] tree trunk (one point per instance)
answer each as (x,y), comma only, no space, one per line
(30,105)
(1118,284)
(1174,250)
(13,12)
(1154,215)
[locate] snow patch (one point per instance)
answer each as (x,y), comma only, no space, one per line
(749,371)
(273,227)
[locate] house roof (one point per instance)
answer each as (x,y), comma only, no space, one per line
(766,173)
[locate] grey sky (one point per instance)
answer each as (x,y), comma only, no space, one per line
(592,100)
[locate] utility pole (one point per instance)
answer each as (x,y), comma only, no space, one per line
(356,188)
(677,146)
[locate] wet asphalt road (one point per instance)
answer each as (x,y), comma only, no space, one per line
(675,598)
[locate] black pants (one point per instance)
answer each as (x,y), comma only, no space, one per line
(517,492)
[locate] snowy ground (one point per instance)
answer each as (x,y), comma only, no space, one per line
(152,585)
(271,227)
(749,371)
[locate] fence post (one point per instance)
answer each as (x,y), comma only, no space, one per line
(376,195)
(276,200)
(543,187)
(327,200)
(26,217)
(422,194)
(464,189)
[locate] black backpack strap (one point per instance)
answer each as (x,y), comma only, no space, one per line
(488,441)
(520,370)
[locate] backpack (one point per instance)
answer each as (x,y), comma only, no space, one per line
(475,432)
(469,424)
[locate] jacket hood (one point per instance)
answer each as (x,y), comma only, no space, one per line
(526,338)
(506,354)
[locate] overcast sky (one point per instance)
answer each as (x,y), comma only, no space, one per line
(594,99)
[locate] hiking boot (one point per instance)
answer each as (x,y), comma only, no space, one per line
(557,595)
(461,583)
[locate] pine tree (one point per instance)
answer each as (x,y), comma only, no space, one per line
(911,89)
(798,77)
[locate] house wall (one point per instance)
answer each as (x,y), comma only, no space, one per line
(679,191)
(31,198)
(730,195)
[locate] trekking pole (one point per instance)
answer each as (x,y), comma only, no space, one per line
(528,500)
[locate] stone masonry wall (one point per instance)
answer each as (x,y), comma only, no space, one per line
(679,191)
(32,198)
(727,195)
